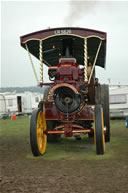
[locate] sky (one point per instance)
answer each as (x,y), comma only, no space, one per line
(22,17)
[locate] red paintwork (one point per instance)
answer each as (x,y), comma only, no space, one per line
(63,84)
(68,130)
(51,113)
(84,32)
(86,113)
(69,72)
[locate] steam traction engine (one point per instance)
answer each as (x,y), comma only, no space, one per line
(74,102)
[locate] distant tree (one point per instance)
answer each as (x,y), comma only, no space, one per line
(22,89)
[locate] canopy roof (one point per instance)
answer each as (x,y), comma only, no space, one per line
(56,40)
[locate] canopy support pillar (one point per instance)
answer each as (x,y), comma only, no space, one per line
(32,64)
(97,53)
(41,61)
(85,60)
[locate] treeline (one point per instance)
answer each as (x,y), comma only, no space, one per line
(22,89)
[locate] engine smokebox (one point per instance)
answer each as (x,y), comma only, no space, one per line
(66,99)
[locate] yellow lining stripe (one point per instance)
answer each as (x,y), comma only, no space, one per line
(92,36)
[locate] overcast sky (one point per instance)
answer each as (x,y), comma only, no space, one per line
(20,18)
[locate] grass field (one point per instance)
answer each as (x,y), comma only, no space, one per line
(67,166)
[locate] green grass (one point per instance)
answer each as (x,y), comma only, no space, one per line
(68,148)
(10,127)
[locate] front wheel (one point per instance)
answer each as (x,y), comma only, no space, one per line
(38,139)
(99,130)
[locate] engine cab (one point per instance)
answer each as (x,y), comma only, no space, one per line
(67,70)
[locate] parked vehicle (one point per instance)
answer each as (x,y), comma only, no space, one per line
(28,101)
(119,102)
(8,104)
(18,103)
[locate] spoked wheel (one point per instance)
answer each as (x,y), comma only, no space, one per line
(102,97)
(99,130)
(38,139)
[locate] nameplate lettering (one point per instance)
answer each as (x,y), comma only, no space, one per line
(63,31)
